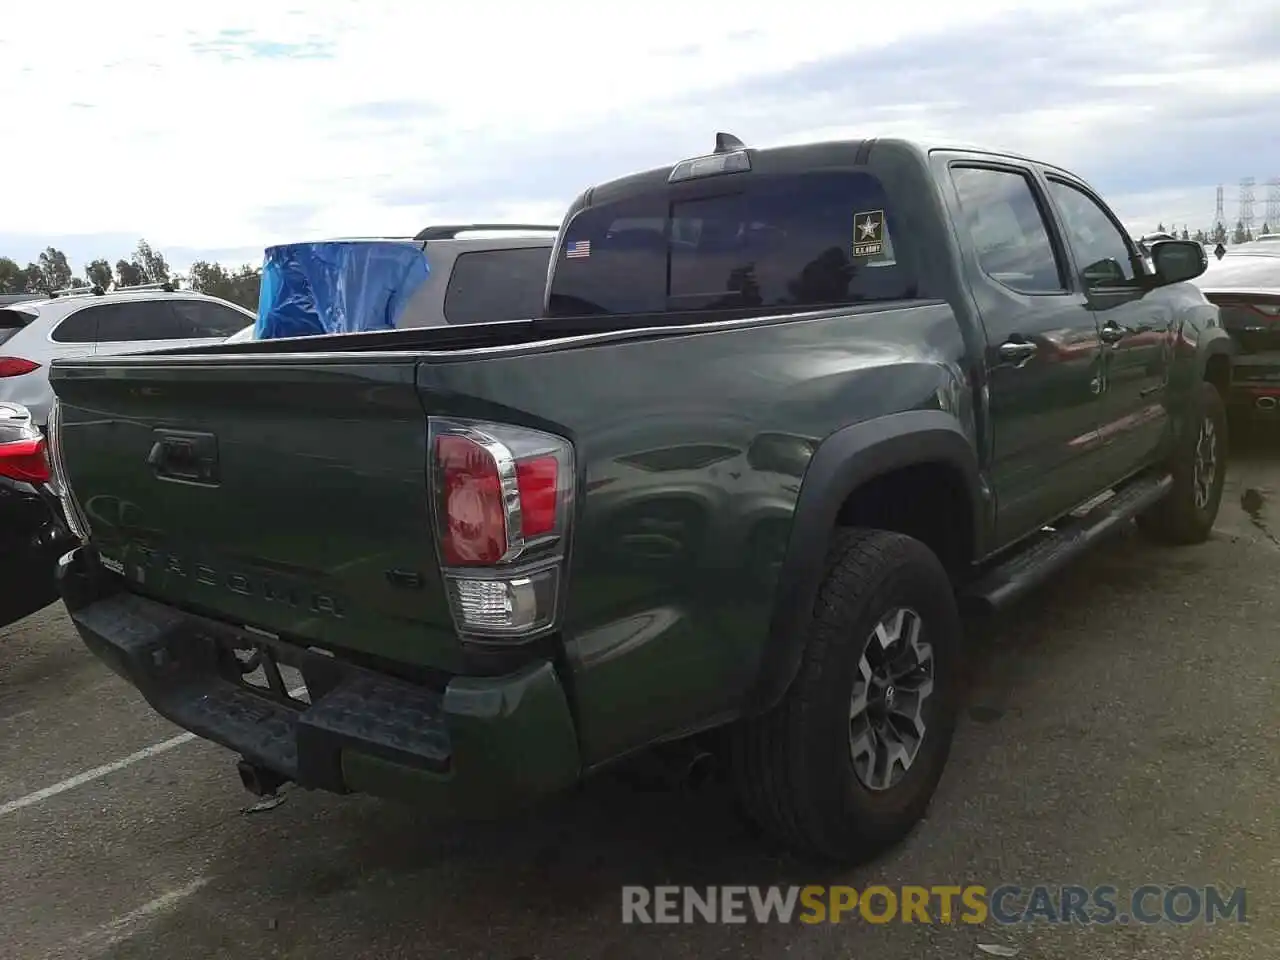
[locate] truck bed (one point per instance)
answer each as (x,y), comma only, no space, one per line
(690,441)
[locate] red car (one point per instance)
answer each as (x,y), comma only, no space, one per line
(32,531)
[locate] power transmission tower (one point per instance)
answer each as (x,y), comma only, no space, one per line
(1219,218)
(1273,204)
(1246,205)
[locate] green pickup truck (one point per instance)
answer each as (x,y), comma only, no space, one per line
(786,413)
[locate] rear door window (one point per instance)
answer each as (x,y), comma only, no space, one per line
(797,241)
(141,320)
(1008,229)
(11,321)
(487,286)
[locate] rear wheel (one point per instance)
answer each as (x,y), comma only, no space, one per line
(847,763)
(1186,514)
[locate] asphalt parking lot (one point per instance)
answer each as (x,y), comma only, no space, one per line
(1123,728)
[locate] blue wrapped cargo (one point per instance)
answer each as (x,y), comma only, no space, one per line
(337,286)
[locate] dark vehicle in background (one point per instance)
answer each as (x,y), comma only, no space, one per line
(32,534)
(1245,285)
(783,415)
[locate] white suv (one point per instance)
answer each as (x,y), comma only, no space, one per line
(88,322)
(478,273)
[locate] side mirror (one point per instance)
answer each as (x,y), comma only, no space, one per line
(1103,273)
(1178,260)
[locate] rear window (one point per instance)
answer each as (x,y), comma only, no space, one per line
(11,321)
(488,286)
(774,241)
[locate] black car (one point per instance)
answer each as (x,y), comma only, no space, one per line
(32,531)
(1245,284)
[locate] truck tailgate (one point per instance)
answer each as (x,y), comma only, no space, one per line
(287,494)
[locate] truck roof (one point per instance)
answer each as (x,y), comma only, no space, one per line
(796,157)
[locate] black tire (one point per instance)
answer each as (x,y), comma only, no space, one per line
(794,766)
(1177,519)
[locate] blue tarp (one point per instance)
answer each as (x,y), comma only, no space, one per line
(337,286)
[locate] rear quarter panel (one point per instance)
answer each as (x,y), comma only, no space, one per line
(33,343)
(691,454)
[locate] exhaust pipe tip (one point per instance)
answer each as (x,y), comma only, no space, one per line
(1266,403)
(259,781)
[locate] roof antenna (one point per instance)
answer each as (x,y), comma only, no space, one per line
(727,143)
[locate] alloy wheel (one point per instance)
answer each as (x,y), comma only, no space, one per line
(886,711)
(1205,465)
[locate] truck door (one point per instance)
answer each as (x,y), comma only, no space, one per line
(1136,326)
(1042,346)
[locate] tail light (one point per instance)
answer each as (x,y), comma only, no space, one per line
(502,502)
(70,508)
(25,460)
(1250,314)
(16,366)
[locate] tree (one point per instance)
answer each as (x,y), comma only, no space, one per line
(1160,228)
(150,263)
(127,274)
(240,286)
(1266,228)
(205,277)
(98,273)
(54,273)
(13,278)
(1237,235)
(1185,234)
(1201,237)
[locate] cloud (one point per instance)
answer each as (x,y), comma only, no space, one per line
(232,45)
(244,124)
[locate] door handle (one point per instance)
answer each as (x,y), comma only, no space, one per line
(1017,351)
(183,455)
(1112,334)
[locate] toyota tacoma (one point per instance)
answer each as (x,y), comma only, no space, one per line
(785,415)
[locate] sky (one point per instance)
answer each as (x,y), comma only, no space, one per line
(214,130)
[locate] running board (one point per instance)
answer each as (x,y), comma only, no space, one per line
(1010,578)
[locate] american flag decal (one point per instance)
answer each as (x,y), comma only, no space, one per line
(578,250)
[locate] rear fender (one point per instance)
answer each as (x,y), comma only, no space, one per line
(842,463)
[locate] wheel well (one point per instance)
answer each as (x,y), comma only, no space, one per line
(1218,372)
(927,501)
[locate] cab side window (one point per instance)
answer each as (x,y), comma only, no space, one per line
(1100,248)
(1008,230)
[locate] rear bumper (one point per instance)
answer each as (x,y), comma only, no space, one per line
(1255,399)
(483,746)
(1255,386)
(32,537)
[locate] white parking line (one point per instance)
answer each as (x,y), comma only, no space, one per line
(107,768)
(121,928)
(95,774)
